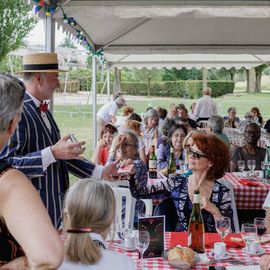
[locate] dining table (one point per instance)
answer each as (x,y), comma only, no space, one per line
(235,255)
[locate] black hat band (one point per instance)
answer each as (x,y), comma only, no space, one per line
(40,67)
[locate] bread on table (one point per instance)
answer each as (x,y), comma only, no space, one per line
(182,253)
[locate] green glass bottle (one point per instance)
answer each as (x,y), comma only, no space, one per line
(172,163)
(152,163)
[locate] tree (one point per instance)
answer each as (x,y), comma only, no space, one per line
(16,23)
(182,74)
(68,43)
(258,74)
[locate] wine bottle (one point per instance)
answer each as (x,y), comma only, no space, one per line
(196,226)
(266,172)
(172,163)
(152,163)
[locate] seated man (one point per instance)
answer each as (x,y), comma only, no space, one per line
(231,121)
(250,151)
(183,113)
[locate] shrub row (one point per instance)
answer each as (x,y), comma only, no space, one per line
(186,89)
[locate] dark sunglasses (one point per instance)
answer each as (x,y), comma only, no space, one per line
(195,155)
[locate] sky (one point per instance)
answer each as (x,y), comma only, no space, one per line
(37,35)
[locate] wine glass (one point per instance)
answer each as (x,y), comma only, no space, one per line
(142,240)
(124,230)
(251,165)
(223,226)
(261,228)
(241,166)
(249,235)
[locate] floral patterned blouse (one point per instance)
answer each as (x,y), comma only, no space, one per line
(177,188)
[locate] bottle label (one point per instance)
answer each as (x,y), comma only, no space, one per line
(196,198)
(153,164)
(189,239)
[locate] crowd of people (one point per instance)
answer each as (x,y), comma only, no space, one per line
(35,161)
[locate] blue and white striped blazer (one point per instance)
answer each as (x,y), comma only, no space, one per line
(23,152)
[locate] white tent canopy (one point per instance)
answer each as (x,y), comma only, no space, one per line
(197,33)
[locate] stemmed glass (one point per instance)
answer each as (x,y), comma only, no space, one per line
(223,226)
(251,165)
(261,228)
(142,240)
(249,235)
(241,166)
(124,230)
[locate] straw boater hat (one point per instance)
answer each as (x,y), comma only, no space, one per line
(41,62)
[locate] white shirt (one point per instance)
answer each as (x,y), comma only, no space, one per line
(110,260)
(107,111)
(205,107)
(47,155)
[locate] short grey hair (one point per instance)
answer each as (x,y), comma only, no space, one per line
(207,90)
(216,122)
(150,113)
(12,92)
(135,139)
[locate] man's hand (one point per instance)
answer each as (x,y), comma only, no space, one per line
(110,171)
(16,264)
(265,262)
(66,150)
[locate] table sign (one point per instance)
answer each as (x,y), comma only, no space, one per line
(156,228)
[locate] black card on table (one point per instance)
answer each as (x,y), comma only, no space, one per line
(156,228)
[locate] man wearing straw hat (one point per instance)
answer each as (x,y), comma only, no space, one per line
(36,147)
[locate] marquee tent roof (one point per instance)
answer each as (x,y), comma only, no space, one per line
(174,33)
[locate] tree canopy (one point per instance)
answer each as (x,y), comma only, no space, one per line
(16,23)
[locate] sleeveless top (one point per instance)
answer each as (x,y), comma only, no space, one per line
(9,248)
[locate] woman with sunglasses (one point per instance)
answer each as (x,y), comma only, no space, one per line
(208,159)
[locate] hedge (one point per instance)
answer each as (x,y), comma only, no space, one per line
(186,89)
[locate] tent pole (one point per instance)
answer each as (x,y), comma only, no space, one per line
(94,97)
(50,42)
(108,83)
(204,75)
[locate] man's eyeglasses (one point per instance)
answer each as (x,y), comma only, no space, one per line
(127,144)
(195,155)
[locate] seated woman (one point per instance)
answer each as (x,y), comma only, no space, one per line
(135,126)
(231,121)
(150,129)
(101,152)
(177,134)
(215,125)
(89,213)
(256,115)
(168,122)
(28,239)
(250,150)
(208,159)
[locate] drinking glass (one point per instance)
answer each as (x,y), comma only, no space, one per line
(223,226)
(241,166)
(124,230)
(251,165)
(249,235)
(142,240)
(263,165)
(261,228)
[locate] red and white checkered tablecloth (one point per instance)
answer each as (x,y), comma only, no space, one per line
(247,197)
(236,256)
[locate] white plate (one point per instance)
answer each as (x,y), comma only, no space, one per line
(259,252)
(227,255)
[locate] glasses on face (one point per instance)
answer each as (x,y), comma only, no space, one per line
(196,155)
(127,144)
